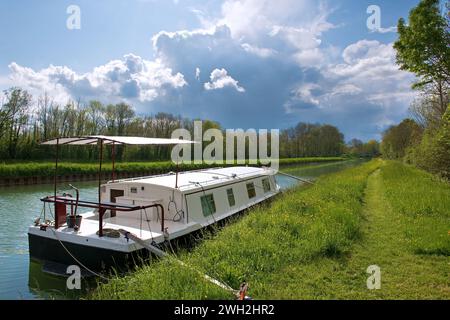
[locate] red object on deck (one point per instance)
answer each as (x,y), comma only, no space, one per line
(60,214)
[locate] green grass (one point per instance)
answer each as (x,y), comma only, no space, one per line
(36,169)
(424,203)
(297,229)
(316,243)
(383,242)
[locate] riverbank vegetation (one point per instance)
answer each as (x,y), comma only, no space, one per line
(422,48)
(317,243)
(41,169)
(297,228)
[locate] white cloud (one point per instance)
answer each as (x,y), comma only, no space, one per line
(305,93)
(369,63)
(130,78)
(169,46)
(261,52)
(40,82)
(251,18)
(345,89)
(295,24)
(385,30)
(309,57)
(220,79)
(260,27)
(367,77)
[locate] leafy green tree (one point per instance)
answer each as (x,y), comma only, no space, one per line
(442,151)
(397,139)
(14,114)
(423,48)
(371,148)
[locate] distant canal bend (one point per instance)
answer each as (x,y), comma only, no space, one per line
(20,206)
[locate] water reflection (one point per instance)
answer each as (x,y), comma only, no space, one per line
(45,285)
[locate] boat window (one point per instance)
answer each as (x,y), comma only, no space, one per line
(251,190)
(133,190)
(208,204)
(266,185)
(231,200)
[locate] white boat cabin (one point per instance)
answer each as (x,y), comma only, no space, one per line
(192,198)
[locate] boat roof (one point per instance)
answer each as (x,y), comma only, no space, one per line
(93,140)
(193,180)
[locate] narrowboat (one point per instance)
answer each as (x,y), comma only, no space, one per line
(154,209)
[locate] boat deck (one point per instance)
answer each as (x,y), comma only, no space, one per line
(132,222)
(129,221)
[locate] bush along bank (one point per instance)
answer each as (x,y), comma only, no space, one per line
(42,172)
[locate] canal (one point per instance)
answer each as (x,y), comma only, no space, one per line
(21,278)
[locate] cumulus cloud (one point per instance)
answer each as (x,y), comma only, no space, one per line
(253,18)
(275,49)
(220,79)
(367,85)
(294,25)
(131,77)
(371,65)
(186,49)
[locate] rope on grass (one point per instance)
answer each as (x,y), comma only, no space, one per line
(161,253)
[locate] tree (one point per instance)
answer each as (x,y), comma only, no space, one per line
(124,114)
(95,111)
(306,139)
(356,147)
(397,139)
(423,48)
(14,118)
(371,148)
(442,152)
(118,117)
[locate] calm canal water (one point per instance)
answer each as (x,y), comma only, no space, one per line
(21,278)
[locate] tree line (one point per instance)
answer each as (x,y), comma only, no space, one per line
(25,122)
(423,48)
(319,140)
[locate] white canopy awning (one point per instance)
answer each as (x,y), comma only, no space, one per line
(93,140)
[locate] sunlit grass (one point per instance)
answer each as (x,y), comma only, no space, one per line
(424,201)
(317,242)
(299,227)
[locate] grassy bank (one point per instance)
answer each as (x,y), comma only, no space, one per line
(423,203)
(36,169)
(317,243)
(263,247)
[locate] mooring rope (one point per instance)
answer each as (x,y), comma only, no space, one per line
(295,177)
(155,250)
(162,253)
(78,261)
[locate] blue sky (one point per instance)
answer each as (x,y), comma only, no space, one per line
(245,63)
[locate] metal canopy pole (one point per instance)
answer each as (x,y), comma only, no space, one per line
(55,181)
(100,210)
(176,177)
(113,160)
